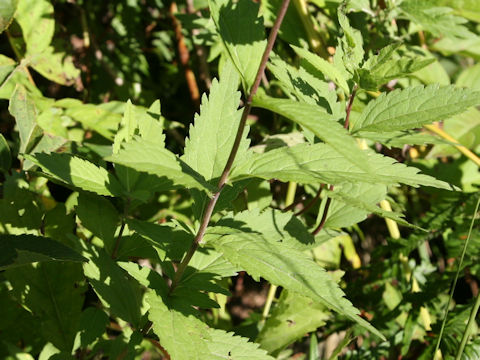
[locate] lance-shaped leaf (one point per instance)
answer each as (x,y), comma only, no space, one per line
(320,163)
(323,125)
(327,69)
(242,34)
(187,338)
(17,250)
(414,107)
(151,157)
(7,10)
(212,135)
(284,266)
(77,172)
(23,110)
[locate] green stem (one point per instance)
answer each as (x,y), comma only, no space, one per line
(470,327)
(233,153)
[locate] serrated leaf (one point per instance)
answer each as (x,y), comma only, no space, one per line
(285,227)
(293,316)
(152,158)
(23,110)
(187,338)
(440,21)
(54,293)
(7,10)
(323,125)
(350,45)
(119,294)
(329,70)
(283,266)
(18,250)
(399,139)
(320,163)
(77,172)
(388,65)
(305,86)
(212,135)
(128,125)
(414,107)
(242,34)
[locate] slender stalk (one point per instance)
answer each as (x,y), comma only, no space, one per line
(312,202)
(349,107)
(207,214)
(122,228)
(469,328)
(452,290)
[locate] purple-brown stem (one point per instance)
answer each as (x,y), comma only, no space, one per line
(228,166)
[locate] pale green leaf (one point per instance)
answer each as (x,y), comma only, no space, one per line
(119,294)
(414,107)
(292,317)
(128,125)
(440,21)
(323,125)
(152,158)
(329,70)
(470,77)
(23,110)
(469,9)
(55,66)
(18,250)
(350,45)
(390,64)
(77,172)
(7,10)
(47,144)
(284,266)
(242,34)
(320,163)
(212,135)
(399,139)
(36,20)
(54,293)
(187,338)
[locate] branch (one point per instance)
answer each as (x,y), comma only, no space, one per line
(233,153)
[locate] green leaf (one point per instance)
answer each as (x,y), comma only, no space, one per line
(286,227)
(18,250)
(212,135)
(187,338)
(323,125)
(305,86)
(440,21)
(170,241)
(389,64)
(23,110)
(399,139)
(283,266)
(128,126)
(54,293)
(350,45)
(46,144)
(151,157)
(242,34)
(329,70)
(98,215)
(93,323)
(414,107)
(470,77)
(36,20)
(7,10)
(5,155)
(469,9)
(293,317)
(77,172)
(119,294)
(320,163)
(55,66)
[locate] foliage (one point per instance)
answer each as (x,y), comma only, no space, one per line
(135,214)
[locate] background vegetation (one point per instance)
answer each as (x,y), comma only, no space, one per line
(109,163)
